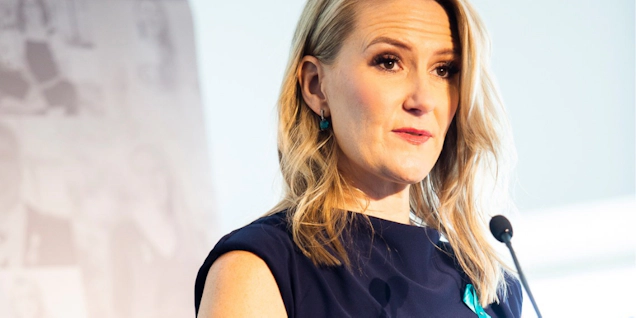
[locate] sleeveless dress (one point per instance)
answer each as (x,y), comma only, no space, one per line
(397,270)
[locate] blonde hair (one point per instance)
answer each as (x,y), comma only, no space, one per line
(448,199)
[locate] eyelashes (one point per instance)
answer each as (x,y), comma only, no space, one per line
(392,63)
(447,69)
(387,62)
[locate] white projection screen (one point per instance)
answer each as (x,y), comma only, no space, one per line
(104,173)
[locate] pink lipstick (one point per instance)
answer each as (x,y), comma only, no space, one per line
(412,135)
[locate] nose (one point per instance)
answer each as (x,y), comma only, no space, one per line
(420,97)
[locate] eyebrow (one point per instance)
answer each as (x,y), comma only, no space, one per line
(400,44)
(391,41)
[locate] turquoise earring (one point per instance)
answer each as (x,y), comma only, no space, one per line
(324,123)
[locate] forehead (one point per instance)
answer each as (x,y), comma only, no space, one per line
(424,21)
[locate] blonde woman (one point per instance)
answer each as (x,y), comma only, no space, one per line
(388,126)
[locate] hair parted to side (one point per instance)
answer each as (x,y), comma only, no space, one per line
(449,199)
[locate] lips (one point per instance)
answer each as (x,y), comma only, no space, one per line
(412,135)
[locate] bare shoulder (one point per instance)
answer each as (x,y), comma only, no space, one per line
(240,284)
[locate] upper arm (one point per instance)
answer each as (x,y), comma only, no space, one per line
(240,284)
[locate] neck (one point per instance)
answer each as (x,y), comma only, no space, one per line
(393,206)
(376,196)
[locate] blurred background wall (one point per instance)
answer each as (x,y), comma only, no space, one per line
(135,133)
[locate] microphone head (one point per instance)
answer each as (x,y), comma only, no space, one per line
(499,226)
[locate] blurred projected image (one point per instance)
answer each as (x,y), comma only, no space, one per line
(41,69)
(78,34)
(27,299)
(137,237)
(47,293)
(103,173)
(157,69)
(37,250)
(153,242)
(35,82)
(28,236)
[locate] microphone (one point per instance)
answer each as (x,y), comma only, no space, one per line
(501,229)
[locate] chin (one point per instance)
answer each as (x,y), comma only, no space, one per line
(412,172)
(410,177)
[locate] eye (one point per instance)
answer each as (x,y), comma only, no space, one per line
(387,62)
(446,70)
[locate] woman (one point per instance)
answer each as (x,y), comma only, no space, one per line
(387,116)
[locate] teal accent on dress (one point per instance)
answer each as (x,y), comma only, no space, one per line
(471,300)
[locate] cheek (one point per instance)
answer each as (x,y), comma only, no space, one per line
(360,102)
(358,115)
(446,114)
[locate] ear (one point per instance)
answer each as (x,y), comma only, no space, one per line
(310,78)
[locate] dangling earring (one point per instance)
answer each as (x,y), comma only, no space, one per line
(324,123)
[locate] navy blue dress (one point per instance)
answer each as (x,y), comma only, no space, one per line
(397,271)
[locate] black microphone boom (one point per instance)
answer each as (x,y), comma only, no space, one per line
(501,229)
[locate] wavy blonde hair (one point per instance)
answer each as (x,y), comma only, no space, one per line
(449,199)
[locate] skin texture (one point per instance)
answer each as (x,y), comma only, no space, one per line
(240,284)
(392,72)
(388,74)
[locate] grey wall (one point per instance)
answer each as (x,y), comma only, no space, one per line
(566,71)
(243,48)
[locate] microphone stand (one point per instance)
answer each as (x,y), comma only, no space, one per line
(506,238)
